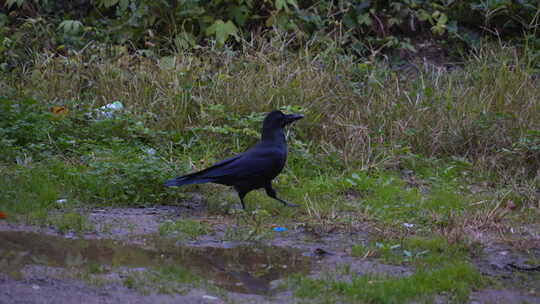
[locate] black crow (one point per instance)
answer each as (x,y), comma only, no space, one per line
(253,169)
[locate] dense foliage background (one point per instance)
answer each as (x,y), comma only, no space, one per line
(363,28)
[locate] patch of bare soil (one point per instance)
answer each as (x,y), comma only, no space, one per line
(502,296)
(38,265)
(516,270)
(44,290)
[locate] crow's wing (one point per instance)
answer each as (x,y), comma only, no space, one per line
(260,162)
(202,176)
(256,163)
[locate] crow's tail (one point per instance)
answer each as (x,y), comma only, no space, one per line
(187,180)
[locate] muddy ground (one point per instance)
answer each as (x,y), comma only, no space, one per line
(110,264)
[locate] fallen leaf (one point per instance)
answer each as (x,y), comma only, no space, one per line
(58,110)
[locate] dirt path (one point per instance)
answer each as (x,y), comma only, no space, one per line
(125,260)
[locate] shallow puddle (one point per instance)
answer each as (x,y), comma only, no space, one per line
(240,269)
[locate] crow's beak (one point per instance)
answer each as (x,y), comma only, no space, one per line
(292,117)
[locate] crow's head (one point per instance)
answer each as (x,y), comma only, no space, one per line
(276,119)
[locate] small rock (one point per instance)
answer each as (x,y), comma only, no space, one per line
(321,252)
(407,172)
(510,205)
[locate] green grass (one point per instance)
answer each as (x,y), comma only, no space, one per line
(71,221)
(391,197)
(417,251)
(185,228)
(440,268)
(456,279)
(169,280)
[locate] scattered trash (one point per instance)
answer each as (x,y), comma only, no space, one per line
(210,298)
(3,215)
(279,229)
(59,110)
(24,160)
(407,225)
(35,287)
(150,151)
(108,111)
(61,201)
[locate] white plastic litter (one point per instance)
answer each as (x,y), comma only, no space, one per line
(150,151)
(108,111)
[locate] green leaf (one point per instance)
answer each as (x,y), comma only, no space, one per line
(10,3)
(108,3)
(71,26)
(364,19)
(222,31)
(184,41)
(280,20)
(293,3)
(349,21)
(284,4)
(123,5)
(423,15)
(281,4)
(239,13)
(351,182)
(3,20)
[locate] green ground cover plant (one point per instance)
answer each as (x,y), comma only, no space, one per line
(186,228)
(440,268)
(457,279)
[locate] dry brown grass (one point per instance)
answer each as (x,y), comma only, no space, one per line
(366,113)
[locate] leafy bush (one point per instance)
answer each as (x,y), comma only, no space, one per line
(360,27)
(28,127)
(70,155)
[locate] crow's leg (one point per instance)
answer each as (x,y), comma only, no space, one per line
(272,193)
(241,195)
